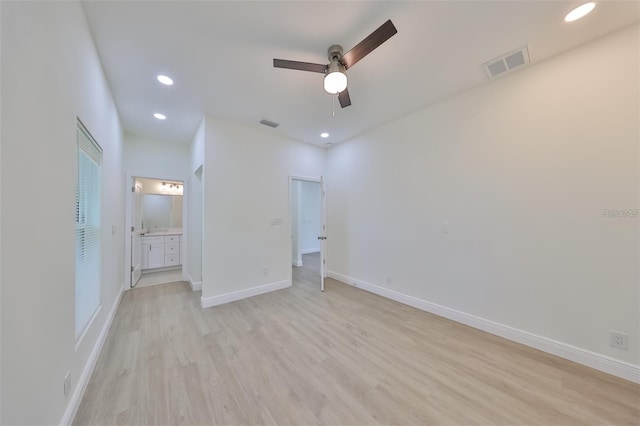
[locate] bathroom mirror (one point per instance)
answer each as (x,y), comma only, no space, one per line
(162,211)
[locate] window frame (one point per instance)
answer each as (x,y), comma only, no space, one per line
(87,231)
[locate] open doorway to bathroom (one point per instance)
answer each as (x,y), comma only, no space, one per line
(307,232)
(156,241)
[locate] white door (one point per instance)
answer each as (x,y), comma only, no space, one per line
(136,235)
(323,237)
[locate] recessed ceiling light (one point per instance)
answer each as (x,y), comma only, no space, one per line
(160,116)
(165,80)
(324,135)
(579,12)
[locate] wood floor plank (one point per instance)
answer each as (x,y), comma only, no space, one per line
(345,356)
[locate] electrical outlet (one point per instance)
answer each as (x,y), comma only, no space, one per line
(67,383)
(388,280)
(265,271)
(618,339)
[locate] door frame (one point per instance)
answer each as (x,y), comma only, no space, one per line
(128,209)
(323,220)
(135,239)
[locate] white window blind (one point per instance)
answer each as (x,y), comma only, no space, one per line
(89,158)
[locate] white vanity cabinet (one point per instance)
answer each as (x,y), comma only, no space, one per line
(160,251)
(172,250)
(152,252)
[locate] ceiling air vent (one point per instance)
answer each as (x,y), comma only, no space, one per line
(507,62)
(269,123)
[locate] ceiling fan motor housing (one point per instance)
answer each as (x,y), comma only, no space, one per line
(335,79)
(335,66)
(335,53)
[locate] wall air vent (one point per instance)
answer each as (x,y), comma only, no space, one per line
(507,62)
(269,123)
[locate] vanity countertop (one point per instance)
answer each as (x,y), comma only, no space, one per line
(163,233)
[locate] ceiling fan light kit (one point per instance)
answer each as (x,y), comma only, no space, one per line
(335,78)
(335,81)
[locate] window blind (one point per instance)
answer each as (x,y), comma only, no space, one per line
(87,229)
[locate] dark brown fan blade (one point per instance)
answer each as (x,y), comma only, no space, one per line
(344,98)
(302,66)
(366,46)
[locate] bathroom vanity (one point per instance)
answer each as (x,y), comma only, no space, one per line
(161,250)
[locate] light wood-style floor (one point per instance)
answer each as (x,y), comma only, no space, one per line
(156,278)
(309,273)
(343,357)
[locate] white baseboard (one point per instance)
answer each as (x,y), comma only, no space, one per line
(309,251)
(195,285)
(207,302)
(296,263)
(160,269)
(582,356)
(83,381)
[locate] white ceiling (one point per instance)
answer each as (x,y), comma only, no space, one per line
(220,55)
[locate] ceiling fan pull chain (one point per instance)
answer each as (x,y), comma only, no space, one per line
(333,104)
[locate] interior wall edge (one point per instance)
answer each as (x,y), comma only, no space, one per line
(195,285)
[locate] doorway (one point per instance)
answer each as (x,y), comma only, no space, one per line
(156,245)
(307,231)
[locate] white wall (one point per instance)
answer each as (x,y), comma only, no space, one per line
(1,103)
(147,157)
(196,147)
(246,184)
(294,201)
(521,169)
(194,246)
(51,74)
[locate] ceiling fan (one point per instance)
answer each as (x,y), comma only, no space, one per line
(335,78)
